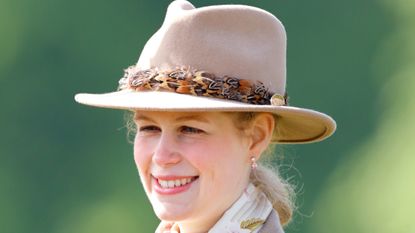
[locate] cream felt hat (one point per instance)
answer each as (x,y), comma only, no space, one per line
(216,58)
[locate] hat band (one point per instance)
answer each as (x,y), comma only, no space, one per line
(199,83)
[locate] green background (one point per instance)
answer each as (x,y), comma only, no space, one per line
(68,168)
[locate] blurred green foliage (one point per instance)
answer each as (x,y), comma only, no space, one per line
(373,190)
(69,168)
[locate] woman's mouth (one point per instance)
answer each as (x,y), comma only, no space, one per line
(169,185)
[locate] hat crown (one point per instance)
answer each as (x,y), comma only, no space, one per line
(233,40)
(216,58)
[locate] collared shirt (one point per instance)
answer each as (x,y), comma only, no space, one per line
(249,214)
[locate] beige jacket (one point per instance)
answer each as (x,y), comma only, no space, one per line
(272,224)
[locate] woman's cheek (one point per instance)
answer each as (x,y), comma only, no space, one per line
(142,155)
(142,158)
(143,146)
(201,155)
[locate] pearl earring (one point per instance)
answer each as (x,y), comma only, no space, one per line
(254,165)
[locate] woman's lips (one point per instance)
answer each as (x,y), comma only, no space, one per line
(169,185)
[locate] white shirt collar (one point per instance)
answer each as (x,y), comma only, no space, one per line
(247,214)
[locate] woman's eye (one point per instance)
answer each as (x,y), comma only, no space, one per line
(191,130)
(150,128)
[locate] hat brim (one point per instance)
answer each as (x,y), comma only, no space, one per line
(294,125)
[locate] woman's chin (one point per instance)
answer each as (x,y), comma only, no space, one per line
(175,204)
(172,212)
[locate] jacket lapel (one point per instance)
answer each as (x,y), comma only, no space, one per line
(272,224)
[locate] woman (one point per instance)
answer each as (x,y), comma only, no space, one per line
(208,96)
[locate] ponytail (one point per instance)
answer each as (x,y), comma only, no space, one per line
(279,192)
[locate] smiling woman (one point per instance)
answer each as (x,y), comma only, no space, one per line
(208,97)
(195,141)
(170,147)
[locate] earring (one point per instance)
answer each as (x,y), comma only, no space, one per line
(254,165)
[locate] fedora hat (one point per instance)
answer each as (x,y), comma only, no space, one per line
(216,58)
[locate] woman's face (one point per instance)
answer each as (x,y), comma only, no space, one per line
(193,166)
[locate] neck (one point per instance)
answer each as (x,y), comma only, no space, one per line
(196,226)
(206,221)
(247,214)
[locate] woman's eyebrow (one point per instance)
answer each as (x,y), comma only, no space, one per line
(193,118)
(142,118)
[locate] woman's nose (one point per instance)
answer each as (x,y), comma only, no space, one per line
(166,153)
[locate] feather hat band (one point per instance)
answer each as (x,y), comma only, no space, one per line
(216,58)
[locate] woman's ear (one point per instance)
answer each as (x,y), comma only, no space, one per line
(261,134)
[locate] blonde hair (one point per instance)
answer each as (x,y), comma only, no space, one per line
(279,192)
(267,178)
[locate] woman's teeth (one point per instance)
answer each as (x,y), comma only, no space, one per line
(174,183)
